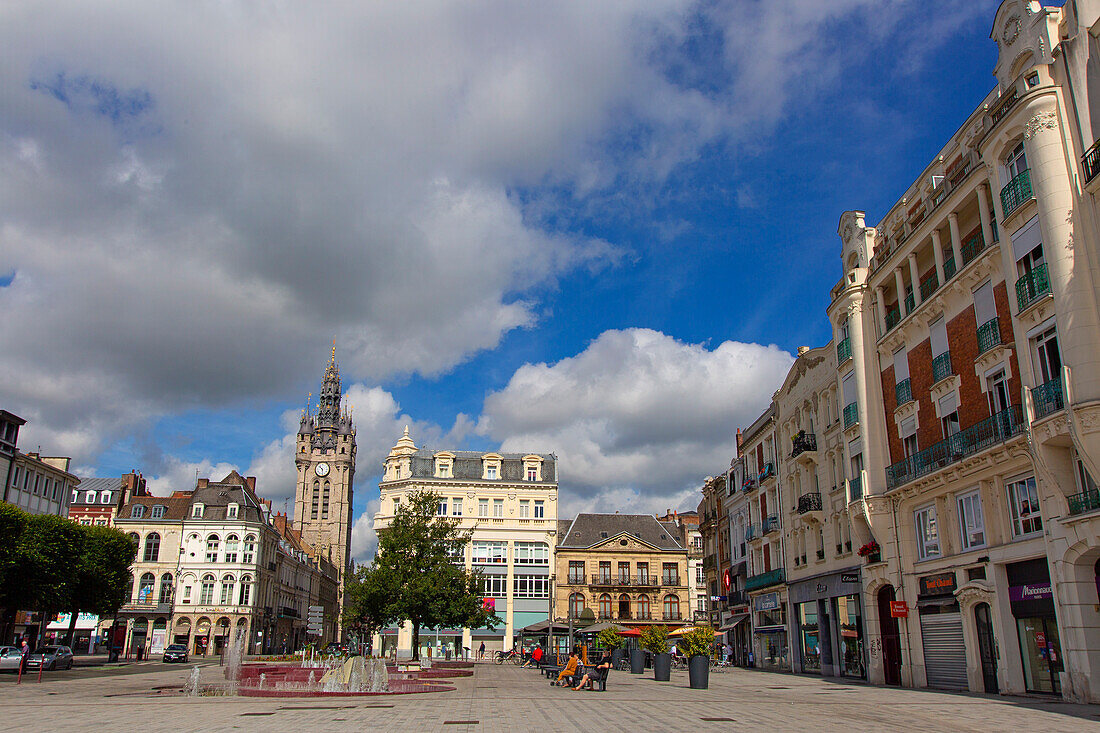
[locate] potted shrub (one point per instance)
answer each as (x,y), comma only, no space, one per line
(655,641)
(871,551)
(696,645)
(610,639)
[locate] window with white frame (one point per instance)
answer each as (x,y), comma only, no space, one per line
(1023,504)
(971,521)
(456,507)
(524,509)
(532,553)
(88,499)
(1048,359)
(196,511)
(249,553)
(1016,162)
(532,472)
(540,509)
(483,507)
(928,535)
(1085,481)
(949,415)
(997,386)
(232,510)
(212,548)
(907,428)
(494,586)
(442,509)
(443,467)
(396,504)
(498,507)
(532,586)
(486,552)
(158,511)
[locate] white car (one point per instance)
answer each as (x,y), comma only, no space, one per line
(10,657)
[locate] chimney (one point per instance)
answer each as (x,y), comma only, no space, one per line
(802,350)
(203,483)
(251,481)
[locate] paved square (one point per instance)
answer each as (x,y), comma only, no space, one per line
(509,699)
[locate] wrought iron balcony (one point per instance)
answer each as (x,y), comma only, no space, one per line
(764,580)
(893,317)
(771,524)
(671,580)
(575,579)
(750,532)
(710,562)
(1086,501)
(803,442)
(748,484)
(929,286)
(903,392)
(941,367)
(1090,161)
(972,247)
(851,415)
(855,488)
(767,473)
(844,351)
(1008,101)
(809,503)
(1016,192)
(1032,286)
(1048,398)
(949,268)
(976,438)
(910,303)
(649,581)
(673,616)
(989,335)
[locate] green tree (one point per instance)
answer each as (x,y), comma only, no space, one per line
(424,586)
(367,601)
(48,550)
(102,579)
(654,639)
(698,641)
(609,639)
(12,521)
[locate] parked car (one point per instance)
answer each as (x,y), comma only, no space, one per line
(175,653)
(50,657)
(10,657)
(337,648)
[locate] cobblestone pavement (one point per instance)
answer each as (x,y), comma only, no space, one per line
(515,700)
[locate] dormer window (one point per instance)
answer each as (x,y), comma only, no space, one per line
(158,511)
(490,466)
(491,471)
(231,511)
(196,511)
(90,498)
(105,497)
(532,468)
(76,495)
(444,465)
(137,511)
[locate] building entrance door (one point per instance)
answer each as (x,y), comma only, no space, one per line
(890,637)
(987,647)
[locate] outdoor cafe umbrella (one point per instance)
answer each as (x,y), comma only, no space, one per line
(631,632)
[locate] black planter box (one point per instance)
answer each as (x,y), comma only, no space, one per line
(699,672)
(637,661)
(662,667)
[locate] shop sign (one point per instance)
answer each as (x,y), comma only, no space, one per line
(1030,592)
(942,584)
(849,577)
(767,602)
(726,579)
(898,609)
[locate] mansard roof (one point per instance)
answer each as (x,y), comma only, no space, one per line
(588,530)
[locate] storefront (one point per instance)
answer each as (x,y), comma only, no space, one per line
(941,632)
(771,647)
(1032,599)
(827,620)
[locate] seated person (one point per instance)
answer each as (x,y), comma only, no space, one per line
(599,673)
(570,668)
(534,658)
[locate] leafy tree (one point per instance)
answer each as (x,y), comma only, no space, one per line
(101,582)
(423,585)
(48,549)
(654,639)
(367,598)
(609,639)
(12,521)
(698,641)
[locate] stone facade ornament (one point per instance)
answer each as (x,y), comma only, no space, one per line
(1042,121)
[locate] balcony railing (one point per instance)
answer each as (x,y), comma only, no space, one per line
(575,579)
(1048,398)
(803,442)
(670,580)
(991,431)
(910,303)
(855,488)
(1032,286)
(929,286)
(750,532)
(809,503)
(649,581)
(844,351)
(941,367)
(748,484)
(949,268)
(989,335)
(893,317)
(764,580)
(767,473)
(1016,192)
(1086,501)
(673,616)
(1090,161)
(903,392)
(972,247)
(851,415)
(771,524)
(1008,101)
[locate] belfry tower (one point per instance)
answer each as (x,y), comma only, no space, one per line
(325,459)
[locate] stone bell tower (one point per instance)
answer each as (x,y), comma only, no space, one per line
(325,461)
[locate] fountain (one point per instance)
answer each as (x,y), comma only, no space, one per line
(353,676)
(191,687)
(234,658)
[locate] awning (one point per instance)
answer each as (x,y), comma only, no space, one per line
(602,626)
(733,622)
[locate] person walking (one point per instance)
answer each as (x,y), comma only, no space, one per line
(481,651)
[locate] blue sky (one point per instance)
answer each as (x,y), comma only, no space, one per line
(594,230)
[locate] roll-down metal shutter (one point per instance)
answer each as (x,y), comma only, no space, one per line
(944,650)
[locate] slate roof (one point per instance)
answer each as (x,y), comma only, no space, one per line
(468,465)
(218,495)
(591,529)
(176,508)
(97,484)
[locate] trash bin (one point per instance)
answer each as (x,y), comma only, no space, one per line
(140,653)
(112,656)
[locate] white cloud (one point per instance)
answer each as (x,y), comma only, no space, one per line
(638,418)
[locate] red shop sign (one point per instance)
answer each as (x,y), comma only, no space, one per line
(898,609)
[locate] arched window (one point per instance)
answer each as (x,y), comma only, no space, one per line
(227,589)
(152,547)
(206,590)
(158,511)
(231,548)
(324,500)
(672,608)
(145,588)
(249,549)
(212,548)
(314,511)
(135,539)
(137,511)
(624,606)
(246,589)
(643,607)
(166,588)
(576,604)
(605,606)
